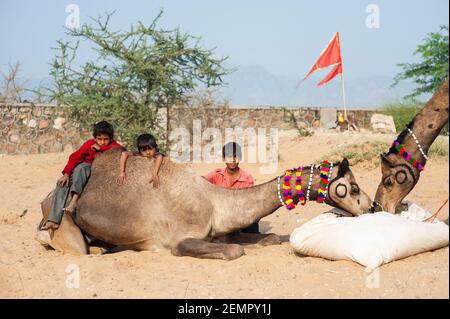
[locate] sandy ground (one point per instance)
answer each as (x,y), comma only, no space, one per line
(27,270)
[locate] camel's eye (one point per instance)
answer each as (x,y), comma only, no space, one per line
(355,189)
(401,177)
(387,181)
(341,190)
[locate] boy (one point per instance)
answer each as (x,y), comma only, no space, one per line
(232,176)
(77,172)
(146,147)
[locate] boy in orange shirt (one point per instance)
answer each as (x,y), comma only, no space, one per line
(232,176)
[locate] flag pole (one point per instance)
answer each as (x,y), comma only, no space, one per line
(343,85)
(343,95)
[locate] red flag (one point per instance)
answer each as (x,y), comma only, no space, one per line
(335,71)
(330,56)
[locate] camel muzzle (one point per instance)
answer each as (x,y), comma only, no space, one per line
(375,207)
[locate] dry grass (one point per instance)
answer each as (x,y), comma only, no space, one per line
(440,147)
(368,153)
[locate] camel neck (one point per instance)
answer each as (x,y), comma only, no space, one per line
(238,208)
(427,124)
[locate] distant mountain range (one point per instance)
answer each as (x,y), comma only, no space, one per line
(253,86)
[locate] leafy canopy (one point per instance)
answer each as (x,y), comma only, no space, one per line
(429,73)
(136,73)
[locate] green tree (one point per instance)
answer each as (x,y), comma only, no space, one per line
(433,68)
(136,72)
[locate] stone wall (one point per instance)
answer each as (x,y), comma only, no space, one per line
(222,118)
(38,128)
(28,128)
(267,117)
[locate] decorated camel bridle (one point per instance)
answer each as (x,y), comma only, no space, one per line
(419,166)
(285,197)
(406,155)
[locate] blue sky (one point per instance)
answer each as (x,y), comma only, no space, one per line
(284,37)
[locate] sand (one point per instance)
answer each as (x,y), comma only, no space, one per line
(27,270)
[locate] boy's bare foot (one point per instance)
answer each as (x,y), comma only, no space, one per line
(50,225)
(70,209)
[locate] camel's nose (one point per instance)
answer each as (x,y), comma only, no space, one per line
(375,207)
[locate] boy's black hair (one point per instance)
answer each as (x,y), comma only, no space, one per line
(232,149)
(103,127)
(145,141)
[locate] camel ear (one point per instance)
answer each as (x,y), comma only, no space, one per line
(386,165)
(344,166)
(385,161)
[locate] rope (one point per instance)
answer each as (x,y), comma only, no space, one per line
(433,217)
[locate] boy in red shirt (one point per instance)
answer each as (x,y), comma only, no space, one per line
(232,176)
(77,172)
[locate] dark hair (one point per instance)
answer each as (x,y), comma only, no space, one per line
(232,149)
(103,127)
(145,141)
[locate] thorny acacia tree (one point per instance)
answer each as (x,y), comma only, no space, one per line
(135,73)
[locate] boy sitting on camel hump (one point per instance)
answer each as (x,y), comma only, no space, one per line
(77,171)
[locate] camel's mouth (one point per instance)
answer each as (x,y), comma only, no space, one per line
(375,207)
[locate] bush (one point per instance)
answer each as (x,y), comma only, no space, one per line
(302,130)
(404,111)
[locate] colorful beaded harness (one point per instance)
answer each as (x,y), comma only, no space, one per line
(407,156)
(326,170)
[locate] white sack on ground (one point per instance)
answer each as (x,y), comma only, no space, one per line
(371,239)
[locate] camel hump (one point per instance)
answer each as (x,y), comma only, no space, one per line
(107,163)
(107,156)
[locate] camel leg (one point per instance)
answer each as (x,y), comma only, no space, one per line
(202,249)
(253,239)
(67,238)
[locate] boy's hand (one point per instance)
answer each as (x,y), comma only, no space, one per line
(121,178)
(155,180)
(95,147)
(63,180)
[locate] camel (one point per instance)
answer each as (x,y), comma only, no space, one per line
(186,214)
(399,176)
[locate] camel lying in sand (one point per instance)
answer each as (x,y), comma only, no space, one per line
(186,213)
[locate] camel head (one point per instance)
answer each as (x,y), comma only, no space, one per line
(402,164)
(398,179)
(344,192)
